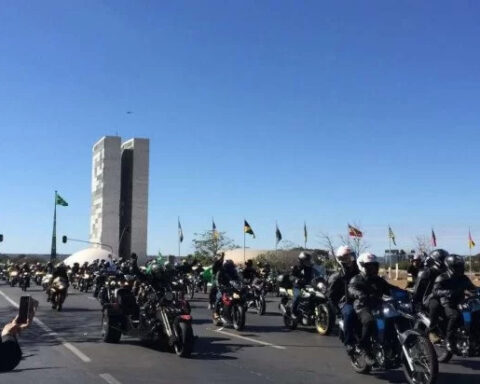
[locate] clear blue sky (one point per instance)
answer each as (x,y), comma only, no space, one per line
(333,112)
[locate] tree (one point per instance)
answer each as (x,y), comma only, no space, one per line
(208,244)
(422,244)
(328,243)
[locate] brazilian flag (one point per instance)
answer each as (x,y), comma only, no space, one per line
(248,229)
(60,201)
(207,274)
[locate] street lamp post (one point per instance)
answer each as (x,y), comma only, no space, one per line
(65,239)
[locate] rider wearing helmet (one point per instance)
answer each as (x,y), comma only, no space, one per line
(217,265)
(304,273)
(225,275)
(249,272)
(450,289)
(367,289)
(422,292)
(337,292)
(416,264)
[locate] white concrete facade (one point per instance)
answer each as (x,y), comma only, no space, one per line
(106,179)
(139,195)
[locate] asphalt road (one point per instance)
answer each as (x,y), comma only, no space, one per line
(65,347)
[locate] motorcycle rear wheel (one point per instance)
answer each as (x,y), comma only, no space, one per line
(359,364)
(289,322)
(184,345)
(424,357)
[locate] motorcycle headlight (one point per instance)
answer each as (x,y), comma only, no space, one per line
(86,277)
(236,295)
(113,283)
(321,286)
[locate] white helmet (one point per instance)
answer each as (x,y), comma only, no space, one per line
(366,259)
(344,255)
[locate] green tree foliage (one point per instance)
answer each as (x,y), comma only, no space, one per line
(207,245)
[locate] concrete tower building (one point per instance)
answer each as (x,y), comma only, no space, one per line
(119,211)
(105,212)
(134,198)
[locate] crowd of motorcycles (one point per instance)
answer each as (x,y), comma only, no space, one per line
(152,303)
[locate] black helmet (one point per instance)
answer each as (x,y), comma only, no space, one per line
(134,256)
(305,258)
(249,263)
(229,266)
(455,265)
(436,259)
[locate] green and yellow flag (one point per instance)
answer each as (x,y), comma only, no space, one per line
(471,243)
(391,235)
(248,229)
(60,201)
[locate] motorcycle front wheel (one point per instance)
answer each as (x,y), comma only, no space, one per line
(424,361)
(238,317)
(184,344)
(324,319)
(358,362)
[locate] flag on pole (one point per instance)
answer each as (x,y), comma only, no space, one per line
(434,239)
(278,234)
(354,232)
(215,233)
(391,235)
(305,233)
(180,232)
(60,201)
(471,243)
(248,229)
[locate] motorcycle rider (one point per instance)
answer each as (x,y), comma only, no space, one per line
(303,273)
(367,289)
(217,265)
(422,292)
(249,272)
(449,288)
(416,264)
(61,272)
(224,276)
(337,292)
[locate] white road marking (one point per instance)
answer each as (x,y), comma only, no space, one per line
(247,338)
(50,332)
(109,378)
(91,298)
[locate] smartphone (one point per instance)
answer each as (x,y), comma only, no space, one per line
(24,309)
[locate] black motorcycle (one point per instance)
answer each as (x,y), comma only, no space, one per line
(24,281)
(161,319)
(256,296)
(396,344)
(313,308)
(467,334)
(231,308)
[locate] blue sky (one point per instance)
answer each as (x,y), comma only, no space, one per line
(329,112)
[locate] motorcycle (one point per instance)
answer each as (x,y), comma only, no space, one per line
(313,308)
(13,278)
(231,308)
(467,334)
(161,319)
(396,344)
(47,281)
(24,281)
(38,277)
(58,293)
(85,282)
(256,296)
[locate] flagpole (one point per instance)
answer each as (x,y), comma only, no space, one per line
(178,236)
(470,249)
(276,239)
(53,250)
(244,236)
(304,236)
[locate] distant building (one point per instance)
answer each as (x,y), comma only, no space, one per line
(120,195)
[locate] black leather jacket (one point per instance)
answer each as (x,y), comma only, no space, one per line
(337,291)
(422,291)
(304,275)
(451,289)
(367,292)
